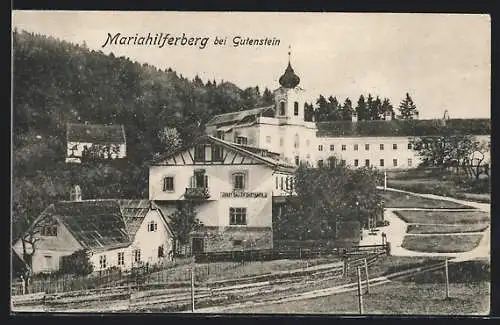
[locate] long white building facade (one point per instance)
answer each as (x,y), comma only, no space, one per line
(282,128)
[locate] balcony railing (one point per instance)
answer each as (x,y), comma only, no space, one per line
(197,193)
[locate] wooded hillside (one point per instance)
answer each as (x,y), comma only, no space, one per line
(56,82)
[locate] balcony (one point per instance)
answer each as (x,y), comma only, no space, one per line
(196,193)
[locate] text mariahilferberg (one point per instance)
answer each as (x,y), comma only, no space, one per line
(162,39)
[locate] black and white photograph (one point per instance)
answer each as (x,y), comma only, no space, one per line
(298,163)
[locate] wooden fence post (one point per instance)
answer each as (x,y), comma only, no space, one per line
(447,284)
(367,279)
(360,292)
(192,287)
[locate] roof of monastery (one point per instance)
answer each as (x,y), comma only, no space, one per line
(384,128)
(101,224)
(95,133)
(240,116)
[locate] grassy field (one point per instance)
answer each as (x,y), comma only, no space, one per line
(441,243)
(445,229)
(444,217)
(402,200)
(400,298)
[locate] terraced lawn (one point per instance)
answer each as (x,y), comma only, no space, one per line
(402,200)
(445,229)
(444,217)
(441,243)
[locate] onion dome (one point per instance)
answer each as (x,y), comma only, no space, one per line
(289,79)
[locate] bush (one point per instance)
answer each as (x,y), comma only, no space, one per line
(77,263)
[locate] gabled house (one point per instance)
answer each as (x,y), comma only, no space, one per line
(116,233)
(95,141)
(233,188)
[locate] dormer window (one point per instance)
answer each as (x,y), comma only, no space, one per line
(199,153)
(49,231)
(282,108)
(242,140)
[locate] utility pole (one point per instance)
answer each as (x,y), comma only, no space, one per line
(367,279)
(447,285)
(192,286)
(385,180)
(360,293)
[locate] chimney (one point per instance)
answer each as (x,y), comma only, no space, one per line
(388,115)
(354,116)
(76,193)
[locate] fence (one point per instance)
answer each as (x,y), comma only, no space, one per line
(178,274)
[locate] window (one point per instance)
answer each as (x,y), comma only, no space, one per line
(394,162)
(394,146)
(152,226)
(199,153)
(102,261)
(381,146)
(277,182)
(49,231)
(199,180)
(281,183)
(239,181)
(296,108)
(343,147)
(367,147)
(137,255)
(355,147)
(356,163)
(268,139)
(168,183)
(367,162)
(237,216)
(281,142)
(381,162)
(160,251)
(409,146)
(217,153)
(320,147)
(121,258)
(297,160)
(242,140)
(410,162)
(296,141)
(332,147)
(282,108)
(320,163)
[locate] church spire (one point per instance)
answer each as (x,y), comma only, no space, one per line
(289,79)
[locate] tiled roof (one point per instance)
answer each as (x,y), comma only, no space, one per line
(102,224)
(95,133)
(403,127)
(238,116)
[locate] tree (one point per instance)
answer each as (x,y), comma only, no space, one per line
(407,109)
(347,110)
(333,109)
(267,97)
(77,263)
(170,140)
(375,109)
(385,107)
(447,150)
(327,195)
(184,222)
(321,111)
(361,109)
(477,163)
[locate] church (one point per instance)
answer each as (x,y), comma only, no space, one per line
(282,129)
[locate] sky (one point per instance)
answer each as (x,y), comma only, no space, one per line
(441,60)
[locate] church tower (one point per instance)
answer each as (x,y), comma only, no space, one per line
(289,97)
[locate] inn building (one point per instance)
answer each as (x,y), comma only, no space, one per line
(233,188)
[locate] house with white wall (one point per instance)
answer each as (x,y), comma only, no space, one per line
(232,188)
(115,233)
(95,141)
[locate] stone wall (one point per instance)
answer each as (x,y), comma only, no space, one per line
(218,239)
